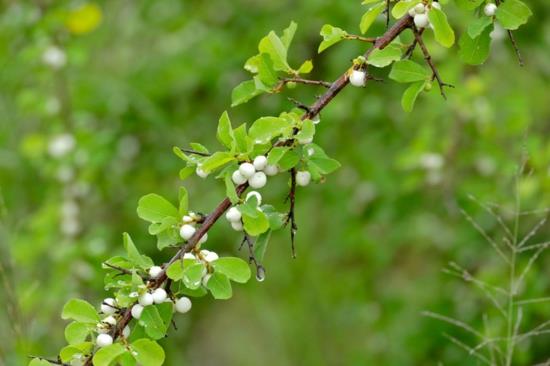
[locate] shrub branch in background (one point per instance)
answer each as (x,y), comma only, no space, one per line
(145,296)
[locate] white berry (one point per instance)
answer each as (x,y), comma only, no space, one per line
(109,320)
(146,299)
(187,231)
(155,271)
(271,170)
(490,9)
(255,194)
(159,295)
(108,306)
(209,256)
(189,256)
(237,226)
(238,178)
(258,180)
(358,78)
(260,162)
(247,170)
(233,214)
(419,8)
(412,13)
(421,20)
(126,332)
(183,305)
(104,340)
(187,219)
(436,5)
(201,173)
(303,178)
(203,238)
(137,309)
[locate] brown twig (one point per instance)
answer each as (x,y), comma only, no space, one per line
(291,217)
(224,205)
(251,256)
(285,81)
(429,61)
(194,152)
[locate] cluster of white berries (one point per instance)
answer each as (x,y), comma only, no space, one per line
(420,14)
(254,173)
(490,9)
(234,216)
(104,339)
(187,230)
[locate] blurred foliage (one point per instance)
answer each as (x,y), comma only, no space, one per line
(140,77)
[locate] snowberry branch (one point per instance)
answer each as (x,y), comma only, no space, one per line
(271,145)
(225,204)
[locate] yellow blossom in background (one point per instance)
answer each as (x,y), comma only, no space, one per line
(84,18)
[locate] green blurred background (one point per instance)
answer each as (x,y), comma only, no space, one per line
(373,239)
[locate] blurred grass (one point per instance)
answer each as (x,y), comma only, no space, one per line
(372,240)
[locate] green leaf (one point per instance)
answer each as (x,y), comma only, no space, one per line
(306,67)
(199,147)
(288,34)
(192,275)
(147,352)
(186,172)
(262,65)
(167,238)
(243,92)
(39,362)
(107,355)
(276,154)
(255,224)
(154,208)
(225,131)
(476,27)
(139,260)
(219,286)
(408,71)
(175,270)
(230,189)
(276,49)
(217,160)
(402,7)
(260,246)
(265,129)
(234,268)
(469,4)
(443,32)
(290,159)
(183,198)
(158,227)
(76,332)
(410,95)
(331,35)
(370,16)
(511,14)
(307,131)
(243,141)
(474,51)
(152,322)
(80,310)
(384,57)
(67,353)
